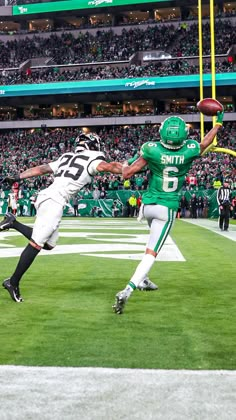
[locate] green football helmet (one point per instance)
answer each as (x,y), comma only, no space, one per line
(173,132)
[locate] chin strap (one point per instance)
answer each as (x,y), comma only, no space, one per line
(167,146)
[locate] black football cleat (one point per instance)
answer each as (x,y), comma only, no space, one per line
(14,292)
(7,222)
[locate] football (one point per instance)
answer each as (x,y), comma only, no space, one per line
(209,106)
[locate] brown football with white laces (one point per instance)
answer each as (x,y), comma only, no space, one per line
(209,106)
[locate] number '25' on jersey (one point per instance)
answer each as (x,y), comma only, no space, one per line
(72,171)
(168,170)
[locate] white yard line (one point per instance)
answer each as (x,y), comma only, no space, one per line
(118,244)
(49,393)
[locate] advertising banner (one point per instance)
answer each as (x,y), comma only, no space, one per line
(103,208)
(61,6)
(114,85)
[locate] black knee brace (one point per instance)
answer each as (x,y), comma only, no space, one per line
(48,247)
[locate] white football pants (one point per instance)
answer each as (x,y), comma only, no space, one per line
(160,220)
(48,217)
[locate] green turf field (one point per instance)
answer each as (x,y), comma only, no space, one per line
(67,319)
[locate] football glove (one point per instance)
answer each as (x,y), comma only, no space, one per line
(10,180)
(219,118)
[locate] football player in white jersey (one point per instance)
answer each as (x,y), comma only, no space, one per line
(72,171)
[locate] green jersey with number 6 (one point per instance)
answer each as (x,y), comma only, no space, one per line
(168,170)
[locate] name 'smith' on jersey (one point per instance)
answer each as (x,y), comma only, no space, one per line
(168,171)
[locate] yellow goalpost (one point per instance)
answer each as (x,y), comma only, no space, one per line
(213,147)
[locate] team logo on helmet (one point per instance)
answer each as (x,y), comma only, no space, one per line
(173,132)
(90,141)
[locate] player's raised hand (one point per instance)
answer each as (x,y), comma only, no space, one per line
(220,117)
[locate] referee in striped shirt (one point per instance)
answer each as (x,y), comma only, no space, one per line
(224,202)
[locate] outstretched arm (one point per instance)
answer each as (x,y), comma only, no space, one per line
(36,171)
(113,167)
(128,171)
(208,139)
(29,173)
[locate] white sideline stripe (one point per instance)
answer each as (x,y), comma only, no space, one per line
(213,226)
(58,393)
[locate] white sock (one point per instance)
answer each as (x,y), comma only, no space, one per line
(141,272)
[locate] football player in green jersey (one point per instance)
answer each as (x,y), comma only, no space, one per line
(169,161)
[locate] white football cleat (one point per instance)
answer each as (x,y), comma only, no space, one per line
(147,285)
(121,299)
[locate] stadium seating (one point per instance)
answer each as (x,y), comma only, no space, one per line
(106,45)
(53,74)
(119,143)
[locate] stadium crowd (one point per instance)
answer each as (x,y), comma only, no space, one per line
(119,143)
(187,45)
(109,46)
(160,68)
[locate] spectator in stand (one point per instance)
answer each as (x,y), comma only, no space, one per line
(96,194)
(126,184)
(105,183)
(115,183)
(145,182)
(138,181)
(217,183)
(191,182)
(201,184)
(86,193)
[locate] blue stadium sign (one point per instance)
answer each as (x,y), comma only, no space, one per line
(114,85)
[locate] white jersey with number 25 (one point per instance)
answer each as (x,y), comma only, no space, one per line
(72,171)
